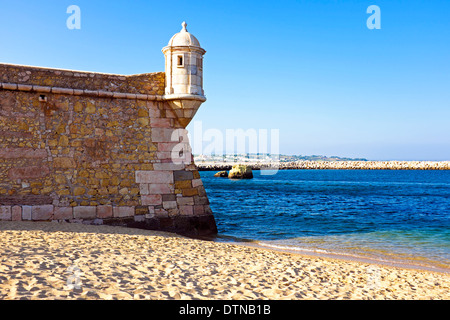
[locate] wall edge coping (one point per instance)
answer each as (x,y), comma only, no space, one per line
(79,92)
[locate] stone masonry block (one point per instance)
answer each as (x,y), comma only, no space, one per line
(20,153)
(32,172)
(169,205)
(160,188)
(170,147)
(104,211)
(183,184)
(121,212)
(63,213)
(143,188)
(185,201)
(199,210)
(140,218)
(183,175)
(5,213)
(165,135)
(168,166)
(42,212)
(186,210)
(164,156)
(26,212)
(160,122)
(141,210)
(190,192)
(16,213)
(169,197)
(154,177)
(154,112)
(84,212)
(64,163)
(197,182)
(151,200)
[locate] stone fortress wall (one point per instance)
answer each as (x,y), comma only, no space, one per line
(95,148)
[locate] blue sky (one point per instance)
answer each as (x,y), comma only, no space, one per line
(311,69)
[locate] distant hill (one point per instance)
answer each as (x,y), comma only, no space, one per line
(281,157)
(288,158)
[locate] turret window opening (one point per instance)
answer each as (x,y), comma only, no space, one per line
(180,61)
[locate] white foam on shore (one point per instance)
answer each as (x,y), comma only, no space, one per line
(346,256)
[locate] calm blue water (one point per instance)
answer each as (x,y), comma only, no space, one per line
(401,216)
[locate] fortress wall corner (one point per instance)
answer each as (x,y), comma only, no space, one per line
(96,148)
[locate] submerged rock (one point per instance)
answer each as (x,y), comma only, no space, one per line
(222,174)
(240,172)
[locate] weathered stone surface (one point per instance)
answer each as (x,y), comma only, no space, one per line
(84,212)
(185,201)
(165,135)
(169,197)
(154,199)
(159,188)
(154,176)
(120,212)
(240,172)
(16,213)
(222,174)
(20,153)
(64,162)
(63,213)
(25,200)
(43,212)
(141,210)
(104,211)
(183,175)
(168,166)
(5,213)
(143,188)
(32,172)
(197,183)
(199,210)
(183,184)
(78,191)
(169,205)
(161,123)
(26,213)
(190,192)
(187,210)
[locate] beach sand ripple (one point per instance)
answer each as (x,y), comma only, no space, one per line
(74,261)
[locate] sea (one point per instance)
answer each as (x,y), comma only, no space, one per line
(393,217)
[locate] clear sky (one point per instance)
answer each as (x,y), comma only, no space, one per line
(311,69)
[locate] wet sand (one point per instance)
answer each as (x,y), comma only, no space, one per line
(48,260)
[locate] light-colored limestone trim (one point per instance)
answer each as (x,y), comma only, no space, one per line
(80,92)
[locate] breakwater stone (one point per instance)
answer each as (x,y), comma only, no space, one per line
(350,165)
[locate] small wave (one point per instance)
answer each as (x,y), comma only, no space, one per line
(390,261)
(275,246)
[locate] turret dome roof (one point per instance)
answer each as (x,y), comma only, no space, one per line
(184,39)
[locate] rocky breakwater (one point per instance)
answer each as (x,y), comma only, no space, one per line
(351,165)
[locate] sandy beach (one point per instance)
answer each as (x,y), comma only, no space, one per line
(49,260)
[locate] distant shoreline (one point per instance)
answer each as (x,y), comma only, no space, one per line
(349,165)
